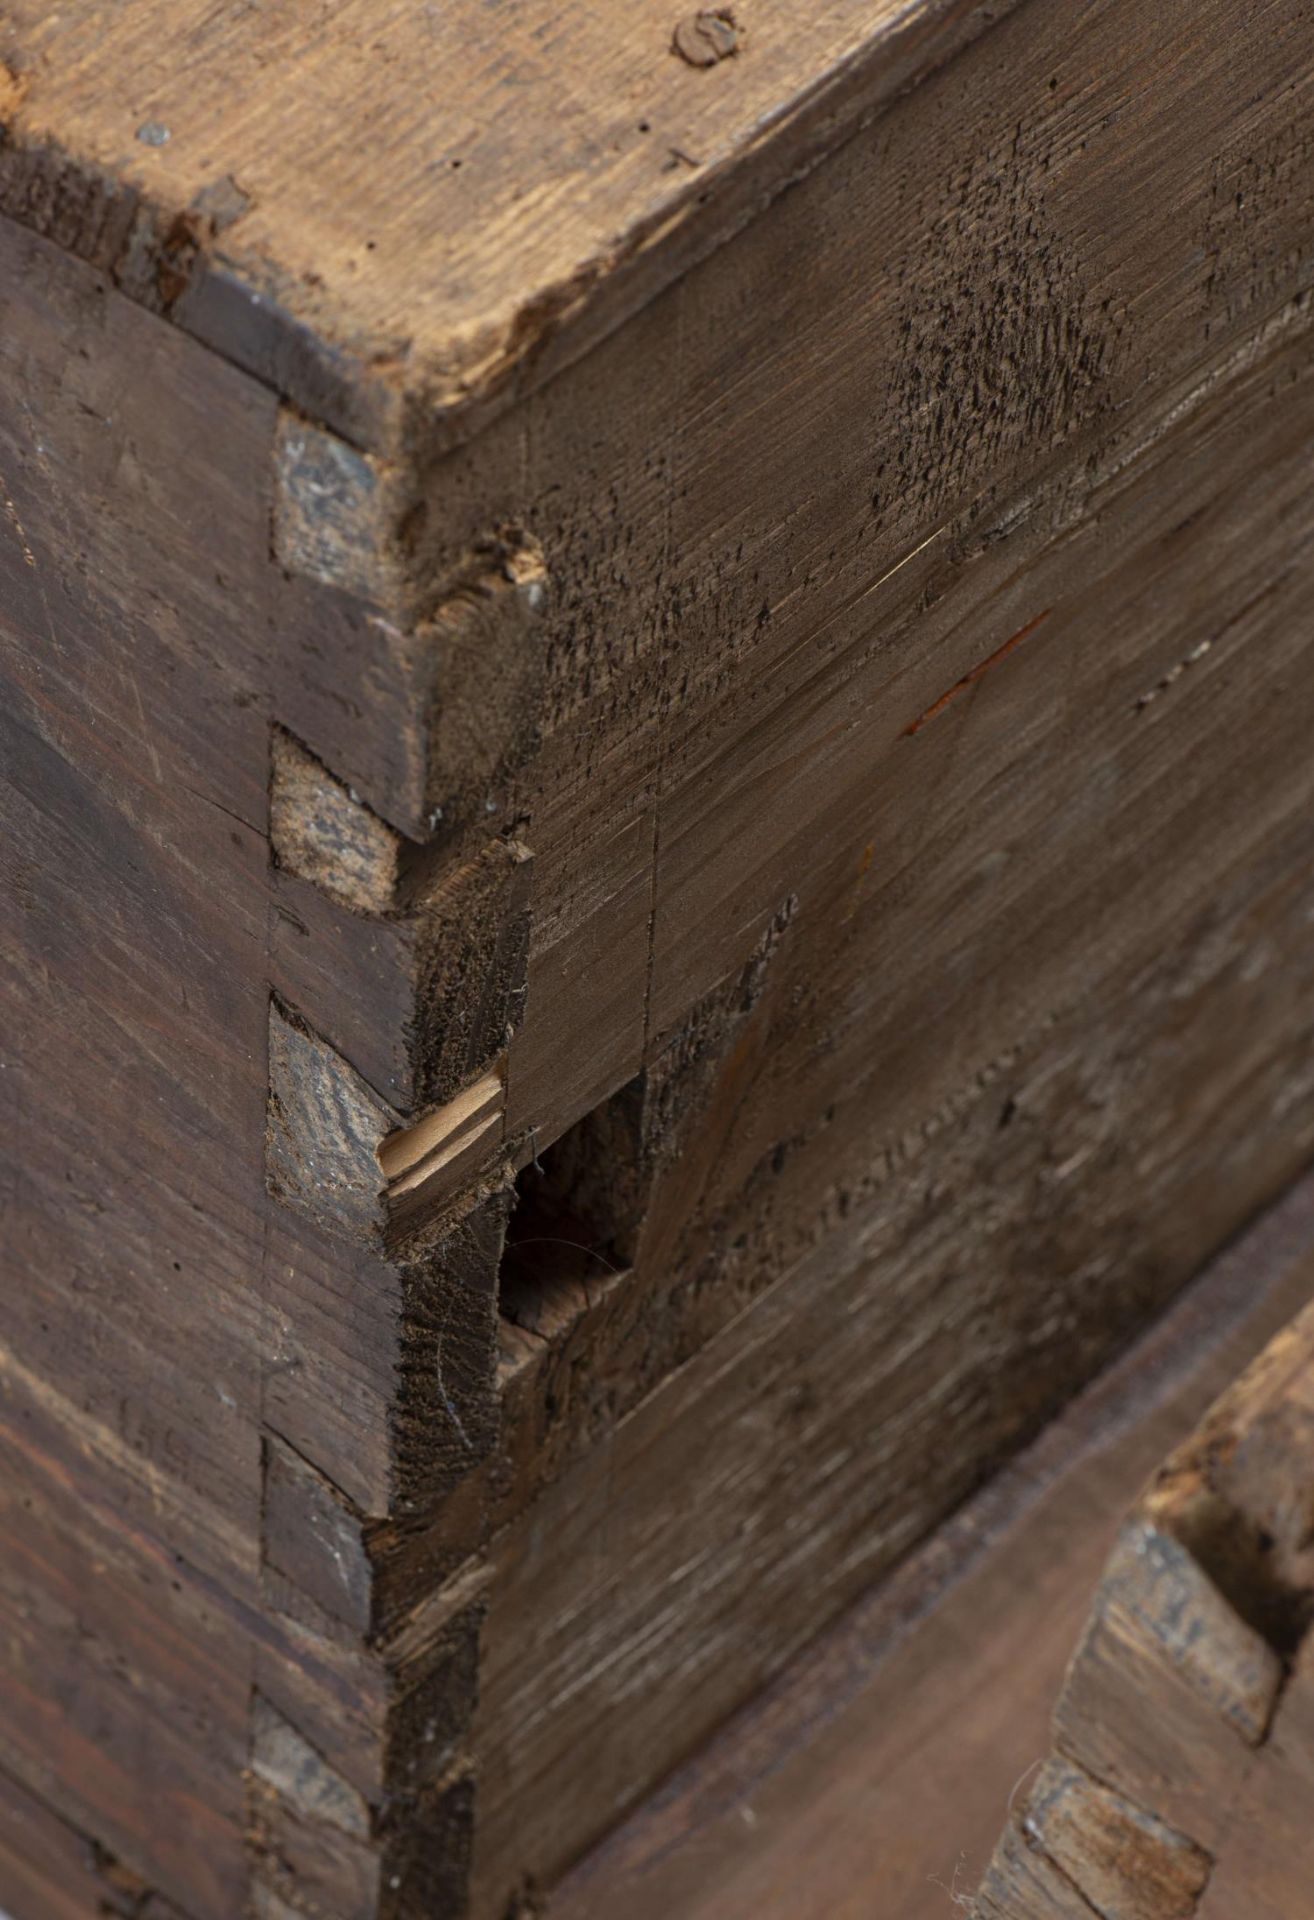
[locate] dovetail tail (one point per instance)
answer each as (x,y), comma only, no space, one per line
(289,1765)
(335,1150)
(489,664)
(323,1129)
(456,654)
(313,1538)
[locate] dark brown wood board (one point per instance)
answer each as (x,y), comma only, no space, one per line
(1183,1761)
(876,1770)
(658,846)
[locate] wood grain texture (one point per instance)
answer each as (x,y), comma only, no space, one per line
(134,803)
(415,209)
(1184,1740)
(205,1390)
(875,1772)
(741,724)
(792,783)
(624,1620)
(1023,1161)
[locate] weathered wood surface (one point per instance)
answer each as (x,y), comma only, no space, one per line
(874,1773)
(1182,1775)
(807,808)
(418,212)
(1017,861)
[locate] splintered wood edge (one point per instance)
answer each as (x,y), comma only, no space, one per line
(411,1155)
(1167,1654)
(332,1147)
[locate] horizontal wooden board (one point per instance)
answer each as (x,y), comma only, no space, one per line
(1129,1082)
(429,205)
(834,1078)
(786,528)
(1183,1740)
(875,1771)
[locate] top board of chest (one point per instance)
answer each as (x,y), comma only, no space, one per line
(404,213)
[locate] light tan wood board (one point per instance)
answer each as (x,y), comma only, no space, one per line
(422,202)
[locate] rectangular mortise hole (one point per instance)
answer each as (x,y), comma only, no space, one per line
(574,1221)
